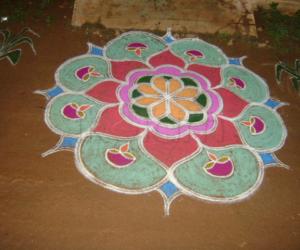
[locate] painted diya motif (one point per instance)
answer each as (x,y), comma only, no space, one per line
(74,111)
(219,167)
(86,72)
(255,124)
(120,157)
(237,82)
(194,54)
(136,47)
(152,116)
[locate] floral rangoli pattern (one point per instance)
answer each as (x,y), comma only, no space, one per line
(148,113)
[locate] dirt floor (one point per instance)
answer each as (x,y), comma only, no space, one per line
(45,203)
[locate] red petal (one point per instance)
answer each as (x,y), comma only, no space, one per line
(211,73)
(105,92)
(233,105)
(121,69)
(166,57)
(170,151)
(225,134)
(112,123)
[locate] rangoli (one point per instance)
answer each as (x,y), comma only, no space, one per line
(148,113)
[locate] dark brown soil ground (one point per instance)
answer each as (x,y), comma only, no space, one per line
(45,203)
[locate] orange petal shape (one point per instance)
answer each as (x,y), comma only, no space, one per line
(246,123)
(177,112)
(212,156)
(95,74)
(188,92)
(159,110)
(125,147)
(145,101)
(189,105)
(146,89)
(138,51)
(174,85)
(84,107)
(161,84)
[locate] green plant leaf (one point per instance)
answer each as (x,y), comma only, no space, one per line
(21,40)
(297,65)
(2,57)
(6,34)
(296,83)
(21,34)
(278,71)
(14,56)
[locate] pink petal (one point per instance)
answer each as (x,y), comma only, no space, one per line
(105,92)
(166,57)
(211,73)
(170,151)
(121,69)
(233,105)
(112,123)
(224,135)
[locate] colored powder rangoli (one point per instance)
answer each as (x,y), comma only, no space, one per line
(148,113)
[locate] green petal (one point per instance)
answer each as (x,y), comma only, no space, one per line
(256,89)
(245,179)
(273,136)
(142,174)
(212,55)
(117,49)
(65,74)
(62,125)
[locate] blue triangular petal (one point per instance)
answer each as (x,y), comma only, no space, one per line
(168,37)
(54,91)
(268,158)
(272,103)
(95,50)
(169,189)
(235,61)
(68,142)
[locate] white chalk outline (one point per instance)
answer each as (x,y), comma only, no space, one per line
(170,170)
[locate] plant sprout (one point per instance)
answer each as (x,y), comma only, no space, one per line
(10,42)
(293,72)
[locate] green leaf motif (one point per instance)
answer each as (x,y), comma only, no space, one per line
(195,117)
(135,94)
(202,100)
(14,56)
(189,82)
(167,120)
(140,111)
(145,79)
